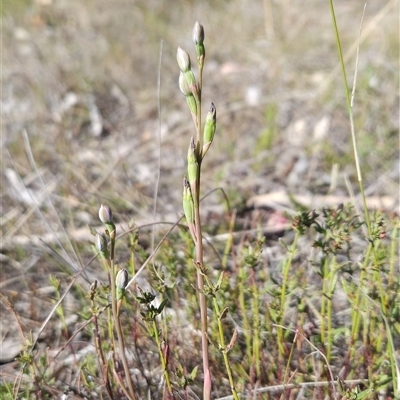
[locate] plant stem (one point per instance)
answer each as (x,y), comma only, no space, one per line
(199,251)
(203,302)
(256,325)
(349,101)
(116,319)
(163,359)
(222,345)
(242,305)
(286,267)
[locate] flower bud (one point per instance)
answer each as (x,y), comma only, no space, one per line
(198,39)
(121,279)
(209,129)
(198,33)
(188,207)
(105,214)
(191,81)
(193,165)
(101,244)
(188,204)
(183,60)
(192,105)
(183,85)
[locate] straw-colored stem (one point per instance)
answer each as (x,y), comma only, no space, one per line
(202,299)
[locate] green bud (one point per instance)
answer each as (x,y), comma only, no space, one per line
(209,129)
(101,244)
(193,165)
(183,60)
(188,207)
(105,214)
(198,39)
(188,204)
(192,105)
(185,89)
(191,81)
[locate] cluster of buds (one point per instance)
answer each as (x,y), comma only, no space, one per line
(196,152)
(187,81)
(121,278)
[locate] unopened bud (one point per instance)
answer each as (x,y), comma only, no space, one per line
(198,33)
(105,214)
(101,244)
(198,38)
(209,129)
(193,165)
(188,204)
(183,60)
(191,81)
(121,279)
(191,101)
(183,85)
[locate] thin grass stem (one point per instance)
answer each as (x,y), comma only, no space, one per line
(285,276)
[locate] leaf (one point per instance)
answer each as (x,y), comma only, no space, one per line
(194,373)
(162,305)
(224,313)
(219,283)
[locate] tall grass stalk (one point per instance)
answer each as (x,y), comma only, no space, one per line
(374,242)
